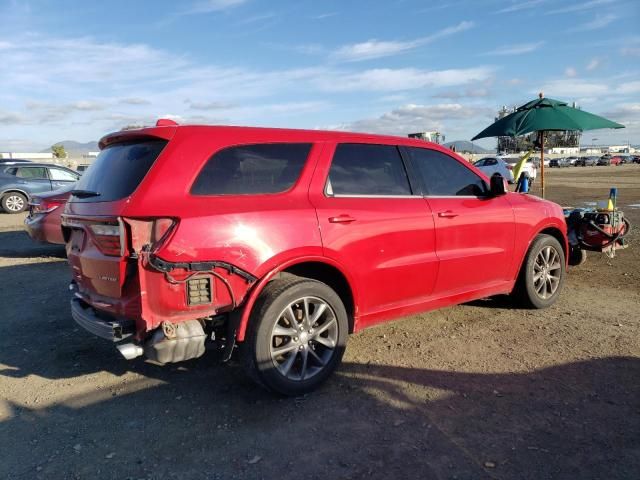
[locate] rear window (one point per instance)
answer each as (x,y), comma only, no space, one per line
(252,169)
(118,170)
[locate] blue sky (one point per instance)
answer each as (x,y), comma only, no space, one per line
(78,69)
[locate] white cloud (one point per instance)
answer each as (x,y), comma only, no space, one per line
(463,93)
(630,51)
(598,22)
(593,64)
(412,118)
(570,72)
(579,7)
(134,101)
(629,87)
(379,48)
(323,16)
(518,6)
(515,49)
(573,89)
(209,105)
(385,79)
(208,6)
(11,118)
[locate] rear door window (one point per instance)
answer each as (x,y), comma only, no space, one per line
(367,169)
(252,169)
(442,175)
(118,170)
(35,173)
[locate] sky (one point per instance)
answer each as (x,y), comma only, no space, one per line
(76,70)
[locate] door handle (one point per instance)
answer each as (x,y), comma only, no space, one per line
(447,214)
(342,219)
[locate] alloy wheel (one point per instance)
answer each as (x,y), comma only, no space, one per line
(14,203)
(304,338)
(547,270)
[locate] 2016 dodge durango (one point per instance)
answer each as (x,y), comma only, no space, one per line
(279,243)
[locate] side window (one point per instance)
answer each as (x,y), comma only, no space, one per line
(480,163)
(38,173)
(491,162)
(252,169)
(62,175)
(11,171)
(444,175)
(365,169)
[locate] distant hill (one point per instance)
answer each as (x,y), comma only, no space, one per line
(76,148)
(465,146)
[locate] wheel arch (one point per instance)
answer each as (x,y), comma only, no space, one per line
(15,190)
(556,233)
(316,268)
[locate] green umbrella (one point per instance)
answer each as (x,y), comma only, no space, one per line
(545,114)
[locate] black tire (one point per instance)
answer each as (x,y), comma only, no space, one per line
(14,202)
(527,290)
(577,256)
(269,310)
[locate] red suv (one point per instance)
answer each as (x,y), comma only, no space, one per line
(283,242)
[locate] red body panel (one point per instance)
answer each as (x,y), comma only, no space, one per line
(399,255)
(46,227)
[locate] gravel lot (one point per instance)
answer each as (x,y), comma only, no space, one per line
(475,391)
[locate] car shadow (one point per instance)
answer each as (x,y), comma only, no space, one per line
(18,244)
(498,301)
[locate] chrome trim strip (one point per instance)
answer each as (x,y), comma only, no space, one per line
(373,196)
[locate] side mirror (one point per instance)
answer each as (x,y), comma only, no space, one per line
(498,185)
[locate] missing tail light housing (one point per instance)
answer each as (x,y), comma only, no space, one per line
(162,228)
(199,291)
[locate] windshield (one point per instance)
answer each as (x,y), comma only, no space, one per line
(117,171)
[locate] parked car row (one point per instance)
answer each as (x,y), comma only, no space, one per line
(591,161)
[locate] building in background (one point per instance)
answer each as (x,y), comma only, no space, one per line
(430,136)
(33,156)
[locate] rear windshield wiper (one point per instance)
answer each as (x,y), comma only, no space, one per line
(84,193)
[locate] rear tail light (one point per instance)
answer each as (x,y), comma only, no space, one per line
(107,237)
(509,167)
(39,205)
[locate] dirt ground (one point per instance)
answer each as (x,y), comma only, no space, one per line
(482,390)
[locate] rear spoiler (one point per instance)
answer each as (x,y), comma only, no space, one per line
(150,133)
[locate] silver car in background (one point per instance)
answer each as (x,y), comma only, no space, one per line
(491,165)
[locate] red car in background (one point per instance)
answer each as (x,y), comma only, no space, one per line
(43,224)
(617,160)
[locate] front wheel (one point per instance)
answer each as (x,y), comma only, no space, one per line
(542,273)
(14,202)
(296,337)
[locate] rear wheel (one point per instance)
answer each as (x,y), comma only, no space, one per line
(296,337)
(542,273)
(14,202)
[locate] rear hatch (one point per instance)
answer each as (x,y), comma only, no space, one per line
(95,233)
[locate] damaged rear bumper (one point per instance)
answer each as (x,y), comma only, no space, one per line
(114,330)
